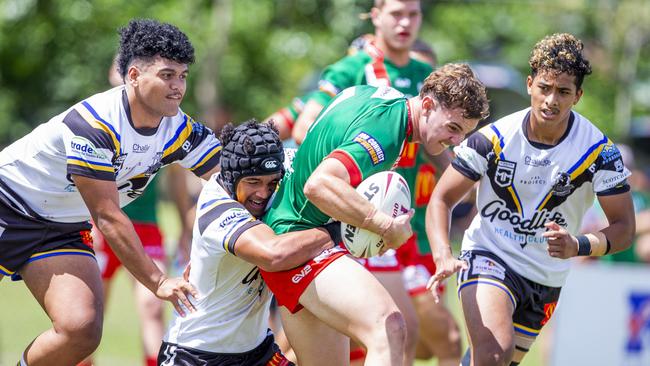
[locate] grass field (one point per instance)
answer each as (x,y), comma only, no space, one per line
(21,319)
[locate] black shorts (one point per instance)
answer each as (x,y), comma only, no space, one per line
(533,303)
(26,237)
(266,354)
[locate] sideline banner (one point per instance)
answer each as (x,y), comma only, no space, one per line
(603,317)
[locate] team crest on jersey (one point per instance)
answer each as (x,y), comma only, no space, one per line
(118,161)
(562,184)
(372,146)
(156,164)
(505,173)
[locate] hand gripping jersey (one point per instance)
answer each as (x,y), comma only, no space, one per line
(365,128)
(524,185)
(233,306)
(96,138)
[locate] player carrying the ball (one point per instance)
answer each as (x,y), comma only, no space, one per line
(361,132)
(538,171)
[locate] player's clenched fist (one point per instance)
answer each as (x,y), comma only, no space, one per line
(561,244)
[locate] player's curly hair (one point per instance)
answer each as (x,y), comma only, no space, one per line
(558,53)
(456,86)
(146,38)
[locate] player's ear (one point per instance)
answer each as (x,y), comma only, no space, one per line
(529,84)
(132,75)
(428,104)
(579,93)
(374,16)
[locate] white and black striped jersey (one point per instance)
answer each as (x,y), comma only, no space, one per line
(233,306)
(96,138)
(523,185)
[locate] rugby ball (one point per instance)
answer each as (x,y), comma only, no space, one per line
(390,194)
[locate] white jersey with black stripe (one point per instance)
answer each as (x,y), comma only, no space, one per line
(96,138)
(523,185)
(233,305)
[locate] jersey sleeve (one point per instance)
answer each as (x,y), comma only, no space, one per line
(222,221)
(610,176)
(336,77)
(372,144)
(194,146)
(90,144)
(474,154)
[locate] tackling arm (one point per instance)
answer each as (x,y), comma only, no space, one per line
(261,246)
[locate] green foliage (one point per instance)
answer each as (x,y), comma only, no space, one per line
(253,56)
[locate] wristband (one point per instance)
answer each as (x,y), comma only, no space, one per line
(584,245)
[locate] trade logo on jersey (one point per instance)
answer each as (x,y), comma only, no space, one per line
(234,214)
(83,147)
(372,146)
(505,173)
(562,184)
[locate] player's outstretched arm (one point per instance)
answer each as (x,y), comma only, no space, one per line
(101,198)
(305,120)
(450,189)
(329,189)
(261,246)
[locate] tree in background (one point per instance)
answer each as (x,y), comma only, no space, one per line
(255,55)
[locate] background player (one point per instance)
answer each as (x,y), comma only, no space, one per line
(538,170)
(85,163)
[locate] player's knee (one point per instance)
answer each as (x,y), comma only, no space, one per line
(84,331)
(453,345)
(396,329)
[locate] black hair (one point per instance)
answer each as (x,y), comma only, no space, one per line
(146,38)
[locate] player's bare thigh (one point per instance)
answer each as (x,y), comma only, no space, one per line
(349,299)
(488,316)
(69,289)
(314,342)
